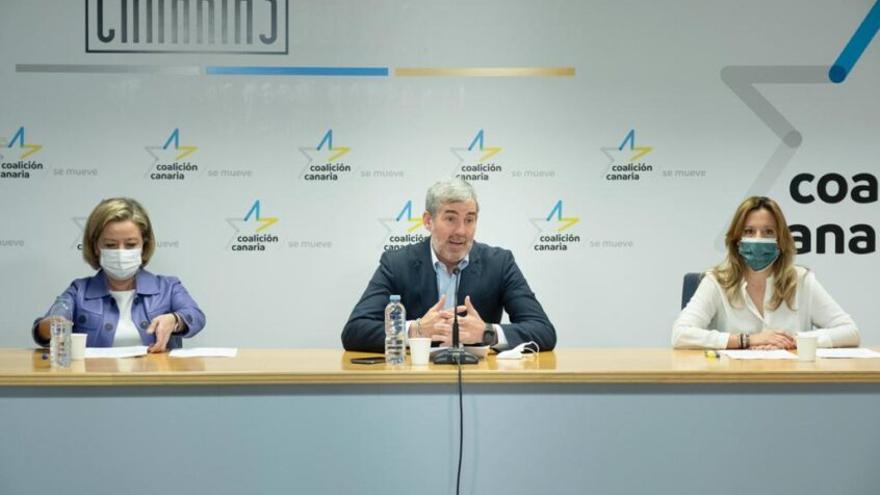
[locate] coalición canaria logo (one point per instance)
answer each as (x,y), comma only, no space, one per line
(627,162)
(402,229)
(172,161)
(324,161)
(554,230)
(250,231)
(477,161)
(17,159)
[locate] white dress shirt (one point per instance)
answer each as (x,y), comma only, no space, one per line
(446,285)
(709,318)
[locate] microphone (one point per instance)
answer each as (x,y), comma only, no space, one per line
(456,342)
(455,354)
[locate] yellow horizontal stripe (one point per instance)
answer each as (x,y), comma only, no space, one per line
(484,71)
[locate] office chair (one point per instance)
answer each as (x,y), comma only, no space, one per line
(689,286)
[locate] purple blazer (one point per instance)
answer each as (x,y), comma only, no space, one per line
(95,312)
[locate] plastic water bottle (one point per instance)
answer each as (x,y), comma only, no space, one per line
(60,328)
(395,331)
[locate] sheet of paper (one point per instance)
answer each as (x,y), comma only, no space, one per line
(205,352)
(116,352)
(749,354)
(855,353)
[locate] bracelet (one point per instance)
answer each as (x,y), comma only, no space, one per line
(746,338)
(741,346)
(419,327)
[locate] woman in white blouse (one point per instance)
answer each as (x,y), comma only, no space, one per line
(757,298)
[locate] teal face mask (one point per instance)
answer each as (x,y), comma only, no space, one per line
(758,253)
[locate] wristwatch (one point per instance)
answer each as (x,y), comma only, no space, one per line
(490,336)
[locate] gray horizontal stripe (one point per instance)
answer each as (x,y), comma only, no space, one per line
(192,70)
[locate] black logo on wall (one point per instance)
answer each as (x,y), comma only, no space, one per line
(187,26)
(831,189)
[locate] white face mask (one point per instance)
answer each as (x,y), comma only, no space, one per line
(519,351)
(121,264)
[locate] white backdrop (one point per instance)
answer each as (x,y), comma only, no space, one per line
(102,121)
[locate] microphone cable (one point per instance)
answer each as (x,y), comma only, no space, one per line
(455,346)
(460,429)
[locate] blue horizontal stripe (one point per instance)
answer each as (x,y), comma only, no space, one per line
(216,70)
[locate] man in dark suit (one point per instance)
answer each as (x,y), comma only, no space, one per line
(423,274)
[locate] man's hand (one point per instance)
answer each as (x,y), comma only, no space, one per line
(427,325)
(470,327)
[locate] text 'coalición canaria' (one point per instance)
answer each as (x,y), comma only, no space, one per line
(173,171)
(628,172)
(326,172)
(254,242)
(478,172)
(19,170)
(556,242)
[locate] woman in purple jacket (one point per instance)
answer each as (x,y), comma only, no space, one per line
(123,304)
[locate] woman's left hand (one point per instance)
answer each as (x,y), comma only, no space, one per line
(163,326)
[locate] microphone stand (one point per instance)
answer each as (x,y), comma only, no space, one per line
(455,354)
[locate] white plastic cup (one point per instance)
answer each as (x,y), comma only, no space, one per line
(420,350)
(806,347)
(78,346)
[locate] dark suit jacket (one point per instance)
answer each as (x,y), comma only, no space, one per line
(491,278)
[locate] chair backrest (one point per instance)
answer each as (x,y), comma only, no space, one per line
(689,286)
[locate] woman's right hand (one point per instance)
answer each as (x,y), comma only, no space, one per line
(771,339)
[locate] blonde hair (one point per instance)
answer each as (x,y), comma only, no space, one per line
(116,210)
(731,271)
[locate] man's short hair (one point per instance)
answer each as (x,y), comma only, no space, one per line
(449,191)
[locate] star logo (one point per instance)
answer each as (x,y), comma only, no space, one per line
(475,153)
(554,222)
(404,221)
(554,234)
(27,149)
(627,150)
(171,151)
(402,229)
(324,153)
(80,223)
(253,222)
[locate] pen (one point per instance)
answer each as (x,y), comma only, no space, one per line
(713,354)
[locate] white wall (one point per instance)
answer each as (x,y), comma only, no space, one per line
(654,67)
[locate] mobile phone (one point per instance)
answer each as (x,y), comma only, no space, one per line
(368,360)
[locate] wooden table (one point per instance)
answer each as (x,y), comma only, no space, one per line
(615,421)
(329,366)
